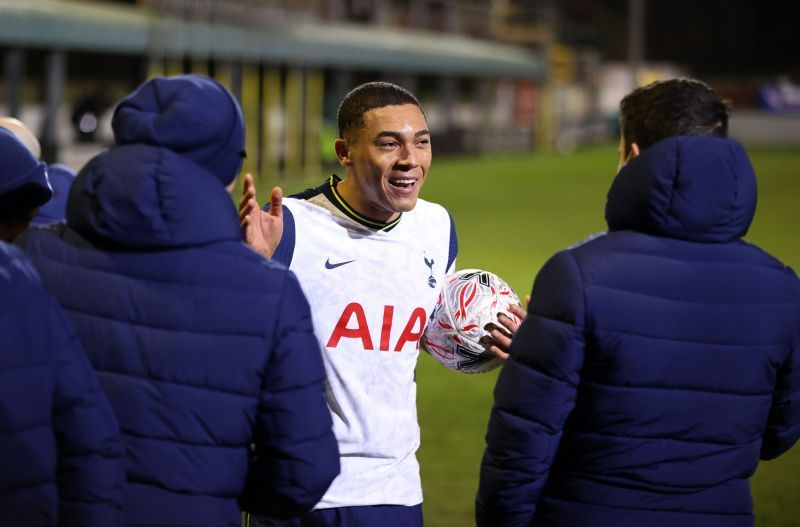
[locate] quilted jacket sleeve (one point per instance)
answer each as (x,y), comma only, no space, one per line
(91,458)
(296,455)
(783,426)
(535,394)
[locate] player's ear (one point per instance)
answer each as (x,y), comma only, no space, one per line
(342,152)
(626,153)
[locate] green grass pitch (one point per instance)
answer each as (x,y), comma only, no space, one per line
(514,212)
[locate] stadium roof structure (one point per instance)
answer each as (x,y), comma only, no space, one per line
(97,27)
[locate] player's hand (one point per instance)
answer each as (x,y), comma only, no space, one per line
(262,230)
(500,344)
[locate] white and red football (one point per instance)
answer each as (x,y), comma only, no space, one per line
(469,300)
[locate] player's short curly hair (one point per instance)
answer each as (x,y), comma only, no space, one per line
(672,107)
(366,97)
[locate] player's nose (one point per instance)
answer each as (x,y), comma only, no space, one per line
(408,158)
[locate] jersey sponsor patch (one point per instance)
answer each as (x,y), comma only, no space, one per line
(352,324)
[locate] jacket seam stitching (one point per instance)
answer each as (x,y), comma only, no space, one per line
(687,341)
(177,383)
(638,293)
(186,442)
(128,274)
(191,331)
(550,497)
(678,388)
(664,438)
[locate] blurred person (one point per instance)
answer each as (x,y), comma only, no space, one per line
(204,348)
(23,133)
(781,96)
(87,115)
(371,257)
(60,177)
(659,361)
(24,186)
(61,457)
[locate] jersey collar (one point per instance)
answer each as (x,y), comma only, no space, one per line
(333,195)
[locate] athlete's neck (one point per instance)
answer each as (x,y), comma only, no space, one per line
(350,192)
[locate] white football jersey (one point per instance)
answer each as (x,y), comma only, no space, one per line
(372,288)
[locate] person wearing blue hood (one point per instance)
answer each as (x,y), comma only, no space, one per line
(659,361)
(204,348)
(61,457)
(24,186)
(60,177)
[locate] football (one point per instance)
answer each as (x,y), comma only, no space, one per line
(470,299)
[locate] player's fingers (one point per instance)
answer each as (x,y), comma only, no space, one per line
(509,323)
(491,326)
(491,346)
(527,300)
(276,202)
(248,183)
(244,201)
(501,339)
(518,311)
(253,207)
(247,196)
(246,208)
(497,352)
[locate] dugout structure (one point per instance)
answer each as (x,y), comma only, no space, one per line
(287,76)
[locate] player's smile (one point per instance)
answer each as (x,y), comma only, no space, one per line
(405,186)
(403,183)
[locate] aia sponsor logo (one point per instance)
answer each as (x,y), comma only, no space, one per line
(352,324)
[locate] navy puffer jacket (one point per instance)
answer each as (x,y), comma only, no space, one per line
(61,457)
(202,346)
(657,363)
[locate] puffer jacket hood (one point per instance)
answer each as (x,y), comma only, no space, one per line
(146,197)
(192,115)
(23,178)
(692,188)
